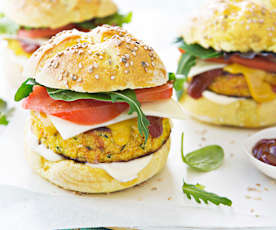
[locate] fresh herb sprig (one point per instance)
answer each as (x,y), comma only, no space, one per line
(115,19)
(7,26)
(188,59)
(126,96)
(204,159)
(199,194)
(4,112)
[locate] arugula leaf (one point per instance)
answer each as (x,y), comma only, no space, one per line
(199,51)
(25,89)
(199,194)
(68,95)
(204,159)
(185,64)
(129,97)
(7,26)
(115,19)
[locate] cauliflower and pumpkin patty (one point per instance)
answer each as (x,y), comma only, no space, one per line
(118,142)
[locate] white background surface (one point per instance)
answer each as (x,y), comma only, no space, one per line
(30,202)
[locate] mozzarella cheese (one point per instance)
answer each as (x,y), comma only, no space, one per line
(219,99)
(166,108)
(204,66)
(121,171)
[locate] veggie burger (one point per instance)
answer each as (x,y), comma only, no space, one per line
(26,24)
(228,54)
(100,105)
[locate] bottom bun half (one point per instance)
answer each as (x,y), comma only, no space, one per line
(241,113)
(79,177)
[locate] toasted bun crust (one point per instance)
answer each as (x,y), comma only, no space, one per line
(106,59)
(78,177)
(54,14)
(235,25)
(242,113)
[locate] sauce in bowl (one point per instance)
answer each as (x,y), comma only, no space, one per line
(265,151)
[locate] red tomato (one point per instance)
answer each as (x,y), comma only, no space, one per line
(84,112)
(87,111)
(42,33)
(154,93)
(181,50)
(256,63)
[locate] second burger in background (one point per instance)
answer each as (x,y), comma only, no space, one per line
(26,24)
(229,56)
(100,105)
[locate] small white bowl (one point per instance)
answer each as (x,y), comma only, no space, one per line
(265,168)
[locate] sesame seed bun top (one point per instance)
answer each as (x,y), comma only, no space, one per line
(234,25)
(106,59)
(55,13)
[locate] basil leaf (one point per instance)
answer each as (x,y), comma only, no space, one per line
(200,194)
(199,51)
(129,97)
(7,26)
(205,159)
(115,19)
(25,89)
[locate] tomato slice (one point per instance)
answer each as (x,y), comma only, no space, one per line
(255,63)
(155,93)
(43,33)
(83,112)
(181,50)
(87,111)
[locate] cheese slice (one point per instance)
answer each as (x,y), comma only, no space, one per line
(259,88)
(204,66)
(166,108)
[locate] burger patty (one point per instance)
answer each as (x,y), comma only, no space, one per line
(115,143)
(230,85)
(224,83)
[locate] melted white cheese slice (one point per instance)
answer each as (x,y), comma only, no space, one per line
(166,108)
(204,66)
(220,99)
(124,171)
(121,171)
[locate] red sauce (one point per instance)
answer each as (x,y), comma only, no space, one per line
(155,127)
(201,82)
(265,151)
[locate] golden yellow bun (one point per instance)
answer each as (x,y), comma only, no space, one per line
(242,113)
(57,13)
(106,59)
(79,177)
(233,25)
